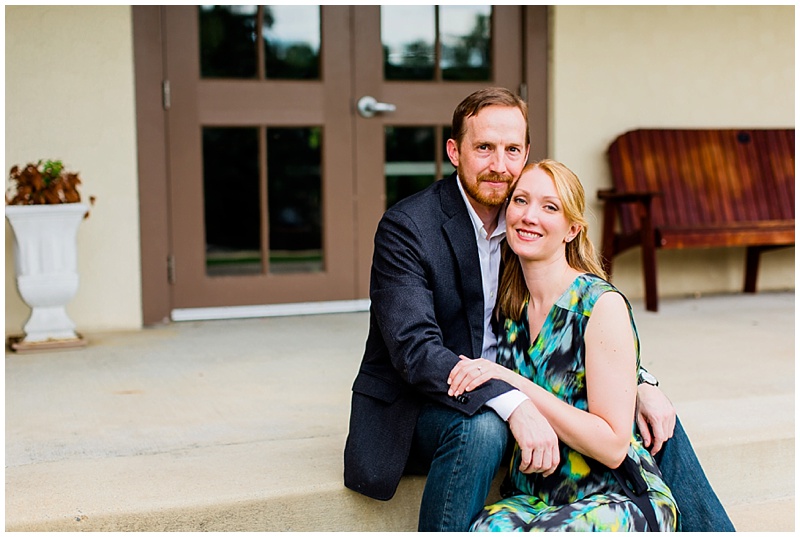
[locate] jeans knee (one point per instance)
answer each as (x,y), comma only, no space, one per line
(487,435)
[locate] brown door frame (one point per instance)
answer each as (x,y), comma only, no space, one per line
(536,48)
(151,138)
(153,161)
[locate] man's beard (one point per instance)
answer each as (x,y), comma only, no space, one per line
(491,199)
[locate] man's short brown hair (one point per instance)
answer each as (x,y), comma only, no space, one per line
(480,99)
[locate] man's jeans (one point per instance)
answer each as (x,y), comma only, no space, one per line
(461,455)
(700,508)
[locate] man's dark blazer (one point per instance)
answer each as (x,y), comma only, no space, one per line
(426,308)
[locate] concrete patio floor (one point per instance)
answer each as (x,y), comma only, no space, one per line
(240,425)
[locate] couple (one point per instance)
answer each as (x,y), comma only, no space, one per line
(422,405)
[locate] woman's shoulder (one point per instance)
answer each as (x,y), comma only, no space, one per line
(586,290)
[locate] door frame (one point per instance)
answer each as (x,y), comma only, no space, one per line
(153,161)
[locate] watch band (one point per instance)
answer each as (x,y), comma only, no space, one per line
(645,377)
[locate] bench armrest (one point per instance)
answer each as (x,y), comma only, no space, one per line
(614,242)
(613,196)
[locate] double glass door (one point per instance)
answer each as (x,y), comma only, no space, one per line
(290,129)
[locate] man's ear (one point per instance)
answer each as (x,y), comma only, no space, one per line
(452,152)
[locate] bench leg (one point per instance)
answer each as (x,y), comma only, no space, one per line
(751,269)
(649,259)
(607,252)
(752,262)
(649,269)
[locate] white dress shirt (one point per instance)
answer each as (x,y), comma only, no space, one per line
(489,252)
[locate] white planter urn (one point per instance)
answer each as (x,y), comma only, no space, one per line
(46,263)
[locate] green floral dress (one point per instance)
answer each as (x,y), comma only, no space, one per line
(582,494)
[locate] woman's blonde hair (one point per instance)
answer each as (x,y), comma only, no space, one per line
(580,252)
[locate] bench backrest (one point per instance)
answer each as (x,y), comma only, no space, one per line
(706,178)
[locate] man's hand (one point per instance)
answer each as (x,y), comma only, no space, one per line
(655,417)
(537,440)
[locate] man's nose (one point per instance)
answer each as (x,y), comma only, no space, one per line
(498,163)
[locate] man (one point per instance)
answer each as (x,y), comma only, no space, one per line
(433,284)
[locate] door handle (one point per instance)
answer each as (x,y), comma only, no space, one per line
(369,106)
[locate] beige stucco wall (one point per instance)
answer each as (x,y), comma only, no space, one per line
(614,69)
(70,95)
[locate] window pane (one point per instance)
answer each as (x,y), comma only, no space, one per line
(291,41)
(294,191)
(410,161)
(227,41)
(465,37)
(231,201)
(408,35)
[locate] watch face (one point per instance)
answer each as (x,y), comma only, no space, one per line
(648,378)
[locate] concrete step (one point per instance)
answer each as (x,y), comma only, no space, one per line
(773,515)
(242,487)
(746,445)
(247,487)
(240,425)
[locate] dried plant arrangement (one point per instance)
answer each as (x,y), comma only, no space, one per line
(45,183)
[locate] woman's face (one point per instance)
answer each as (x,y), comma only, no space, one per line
(536,226)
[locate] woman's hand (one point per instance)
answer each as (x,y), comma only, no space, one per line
(655,417)
(537,441)
(468,374)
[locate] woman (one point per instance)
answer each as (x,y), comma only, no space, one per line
(569,343)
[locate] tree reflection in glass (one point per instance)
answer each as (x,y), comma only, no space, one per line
(464,32)
(410,36)
(290,41)
(291,37)
(227,41)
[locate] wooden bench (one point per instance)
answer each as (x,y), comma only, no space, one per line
(692,188)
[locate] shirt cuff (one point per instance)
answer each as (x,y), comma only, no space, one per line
(506,403)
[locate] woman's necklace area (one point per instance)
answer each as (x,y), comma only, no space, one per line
(538,314)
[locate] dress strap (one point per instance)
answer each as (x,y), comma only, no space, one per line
(634,485)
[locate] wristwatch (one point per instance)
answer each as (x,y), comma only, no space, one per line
(647,378)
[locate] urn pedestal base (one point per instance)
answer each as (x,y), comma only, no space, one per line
(45,259)
(19,345)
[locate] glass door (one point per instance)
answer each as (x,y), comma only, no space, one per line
(291,129)
(417,63)
(260,146)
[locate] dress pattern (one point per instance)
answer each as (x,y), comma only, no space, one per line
(582,494)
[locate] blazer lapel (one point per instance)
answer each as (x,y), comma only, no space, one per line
(461,235)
